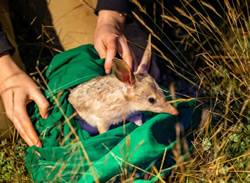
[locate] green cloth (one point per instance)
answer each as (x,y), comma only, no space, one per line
(79,157)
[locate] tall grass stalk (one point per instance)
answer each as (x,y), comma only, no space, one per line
(221,145)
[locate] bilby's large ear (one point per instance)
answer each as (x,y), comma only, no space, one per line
(123,72)
(146,58)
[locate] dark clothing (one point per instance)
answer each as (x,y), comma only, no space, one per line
(4,43)
(115,5)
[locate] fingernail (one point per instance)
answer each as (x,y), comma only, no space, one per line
(39,144)
(107,71)
(46,115)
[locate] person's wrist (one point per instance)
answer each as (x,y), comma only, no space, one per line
(8,67)
(7,62)
(109,15)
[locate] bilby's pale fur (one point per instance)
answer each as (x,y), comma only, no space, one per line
(105,100)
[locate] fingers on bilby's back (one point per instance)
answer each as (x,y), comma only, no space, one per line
(119,45)
(110,54)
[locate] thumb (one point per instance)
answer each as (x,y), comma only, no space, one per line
(42,103)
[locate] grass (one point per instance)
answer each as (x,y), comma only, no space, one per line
(12,155)
(221,147)
(211,43)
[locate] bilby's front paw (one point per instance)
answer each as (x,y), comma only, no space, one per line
(138,122)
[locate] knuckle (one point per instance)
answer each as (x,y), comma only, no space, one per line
(45,105)
(111,40)
(123,38)
(17,113)
(9,113)
(112,47)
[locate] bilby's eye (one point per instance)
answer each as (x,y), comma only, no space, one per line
(151,100)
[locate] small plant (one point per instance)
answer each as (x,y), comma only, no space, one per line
(12,155)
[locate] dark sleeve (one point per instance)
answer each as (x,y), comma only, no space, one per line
(4,43)
(115,5)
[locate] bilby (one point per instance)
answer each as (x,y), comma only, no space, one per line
(106,100)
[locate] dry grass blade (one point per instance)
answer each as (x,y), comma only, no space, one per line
(211,8)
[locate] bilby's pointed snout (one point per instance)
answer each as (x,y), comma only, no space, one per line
(171,110)
(175,112)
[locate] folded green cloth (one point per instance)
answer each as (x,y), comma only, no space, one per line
(71,154)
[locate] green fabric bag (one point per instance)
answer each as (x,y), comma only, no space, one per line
(70,154)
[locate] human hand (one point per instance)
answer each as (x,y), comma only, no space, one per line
(17,89)
(110,39)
